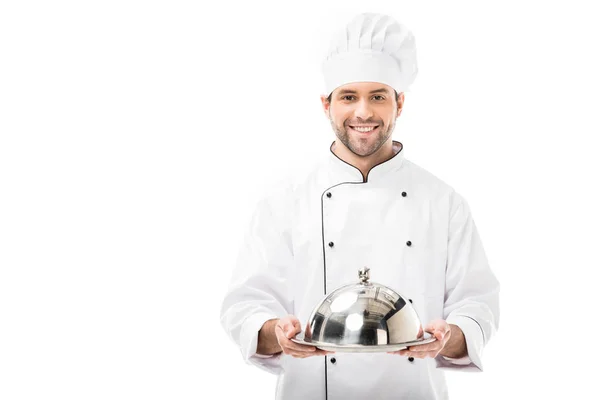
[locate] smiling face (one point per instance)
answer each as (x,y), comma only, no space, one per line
(363,115)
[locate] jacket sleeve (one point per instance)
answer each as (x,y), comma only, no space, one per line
(471,300)
(259,287)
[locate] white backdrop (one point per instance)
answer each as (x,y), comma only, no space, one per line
(135,137)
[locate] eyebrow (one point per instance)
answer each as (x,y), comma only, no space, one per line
(346,91)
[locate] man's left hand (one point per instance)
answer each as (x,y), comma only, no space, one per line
(438,328)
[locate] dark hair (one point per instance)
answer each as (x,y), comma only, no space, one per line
(329,97)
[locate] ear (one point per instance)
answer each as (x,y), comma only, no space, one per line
(326,105)
(400,101)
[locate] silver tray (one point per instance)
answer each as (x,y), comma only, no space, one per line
(358,348)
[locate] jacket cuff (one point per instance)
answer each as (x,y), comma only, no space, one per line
(466,360)
(475,342)
(249,344)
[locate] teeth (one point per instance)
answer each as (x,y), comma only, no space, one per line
(364,129)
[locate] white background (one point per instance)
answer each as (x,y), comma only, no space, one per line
(135,137)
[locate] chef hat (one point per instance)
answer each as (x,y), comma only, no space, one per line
(371,48)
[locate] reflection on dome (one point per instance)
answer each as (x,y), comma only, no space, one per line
(343,301)
(354,322)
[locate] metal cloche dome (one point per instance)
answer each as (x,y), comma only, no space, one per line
(364,317)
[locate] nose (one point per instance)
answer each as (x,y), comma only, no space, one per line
(363,110)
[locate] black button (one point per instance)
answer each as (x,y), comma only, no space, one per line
(403,194)
(408,243)
(410,300)
(411,359)
(330,244)
(333,361)
(328,194)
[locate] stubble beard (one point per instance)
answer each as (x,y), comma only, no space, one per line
(366,146)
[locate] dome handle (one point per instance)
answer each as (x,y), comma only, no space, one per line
(363,274)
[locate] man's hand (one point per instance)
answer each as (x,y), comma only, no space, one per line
(288,327)
(442,332)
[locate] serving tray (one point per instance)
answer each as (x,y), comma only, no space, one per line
(357,348)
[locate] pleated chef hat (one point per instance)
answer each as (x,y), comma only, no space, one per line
(371,48)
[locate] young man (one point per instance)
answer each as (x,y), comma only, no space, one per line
(364,205)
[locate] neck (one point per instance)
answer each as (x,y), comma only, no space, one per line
(364,164)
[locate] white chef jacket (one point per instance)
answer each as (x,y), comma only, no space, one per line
(310,236)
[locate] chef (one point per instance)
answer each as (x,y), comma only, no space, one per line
(364,204)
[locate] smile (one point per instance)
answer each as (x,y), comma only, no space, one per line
(364,130)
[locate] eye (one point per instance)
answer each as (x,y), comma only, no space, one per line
(381,97)
(344,97)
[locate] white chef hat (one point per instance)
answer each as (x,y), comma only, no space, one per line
(371,48)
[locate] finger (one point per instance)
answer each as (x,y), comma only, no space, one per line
(298,355)
(291,346)
(288,329)
(398,352)
(439,335)
(294,352)
(426,347)
(402,352)
(305,355)
(436,325)
(287,345)
(285,326)
(293,330)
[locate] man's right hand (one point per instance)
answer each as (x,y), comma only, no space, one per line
(288,327)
